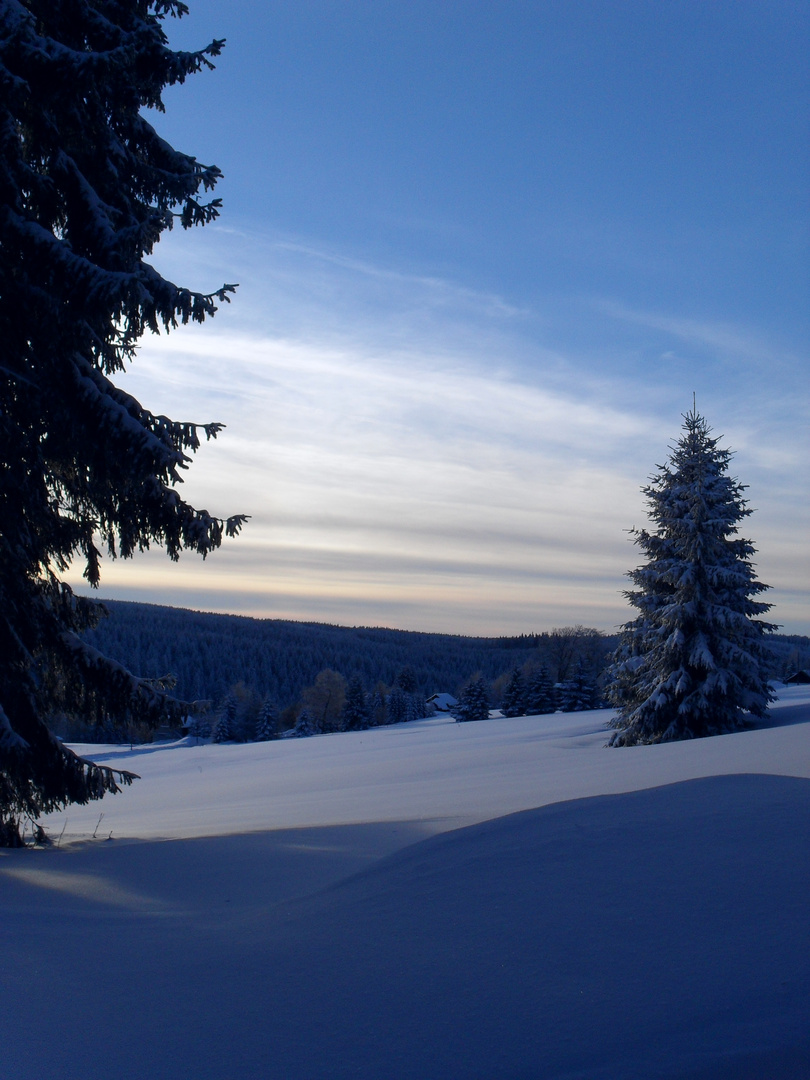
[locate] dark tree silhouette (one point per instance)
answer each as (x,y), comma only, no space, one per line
(396,706)
(473,702)
(514,697)
(225,730)
(87,187)
(267,722)
(406,679)
(541,697)
(305,725)
(355,706)
(578,693)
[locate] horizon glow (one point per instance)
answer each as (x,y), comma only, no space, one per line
(485,258)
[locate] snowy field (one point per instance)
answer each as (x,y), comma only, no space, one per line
(505,899)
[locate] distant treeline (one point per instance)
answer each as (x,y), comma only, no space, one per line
(209,654)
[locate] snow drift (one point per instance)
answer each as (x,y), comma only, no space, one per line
(321,914)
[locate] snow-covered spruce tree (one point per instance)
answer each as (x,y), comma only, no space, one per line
(415,708)
(541,697)
(692,662)
(578,693)
(473,702)
(355,708)
(225,730)
(514,696)
(86,189)
(267,722)
(376,709)
(304,725)
(396,706)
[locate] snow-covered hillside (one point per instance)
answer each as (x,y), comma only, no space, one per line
(433,900)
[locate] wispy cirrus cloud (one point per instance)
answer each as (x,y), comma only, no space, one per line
(724,338)
(435,290)
(415,454)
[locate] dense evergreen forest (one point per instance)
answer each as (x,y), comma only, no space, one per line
(210,654)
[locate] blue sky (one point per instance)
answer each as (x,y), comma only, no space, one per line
(486,253)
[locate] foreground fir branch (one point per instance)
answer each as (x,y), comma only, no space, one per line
(693,662)
(87,186)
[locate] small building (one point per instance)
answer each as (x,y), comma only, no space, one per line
(442,702)
(798,678)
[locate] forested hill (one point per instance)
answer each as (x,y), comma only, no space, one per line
(211,653)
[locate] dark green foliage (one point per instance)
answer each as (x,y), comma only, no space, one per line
(693,662)
(541,697)
(514,698)
(791,654)
(86,189)
(225,729)
(376,709)
(209,653)
(355,707)
(324,700)
(305,725)
(474,702)
(567,646)
(415,708)
(578,693)
(396,706)
(267,722)
(406,680)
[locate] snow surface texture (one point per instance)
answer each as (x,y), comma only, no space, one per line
(505,899)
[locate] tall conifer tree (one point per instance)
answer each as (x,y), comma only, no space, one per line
(541,696)
(514,697)
(267,722)
(87,186)
(355,707)
(473,702)
(693,662)
(578,693)
(225,730)
(396,706)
